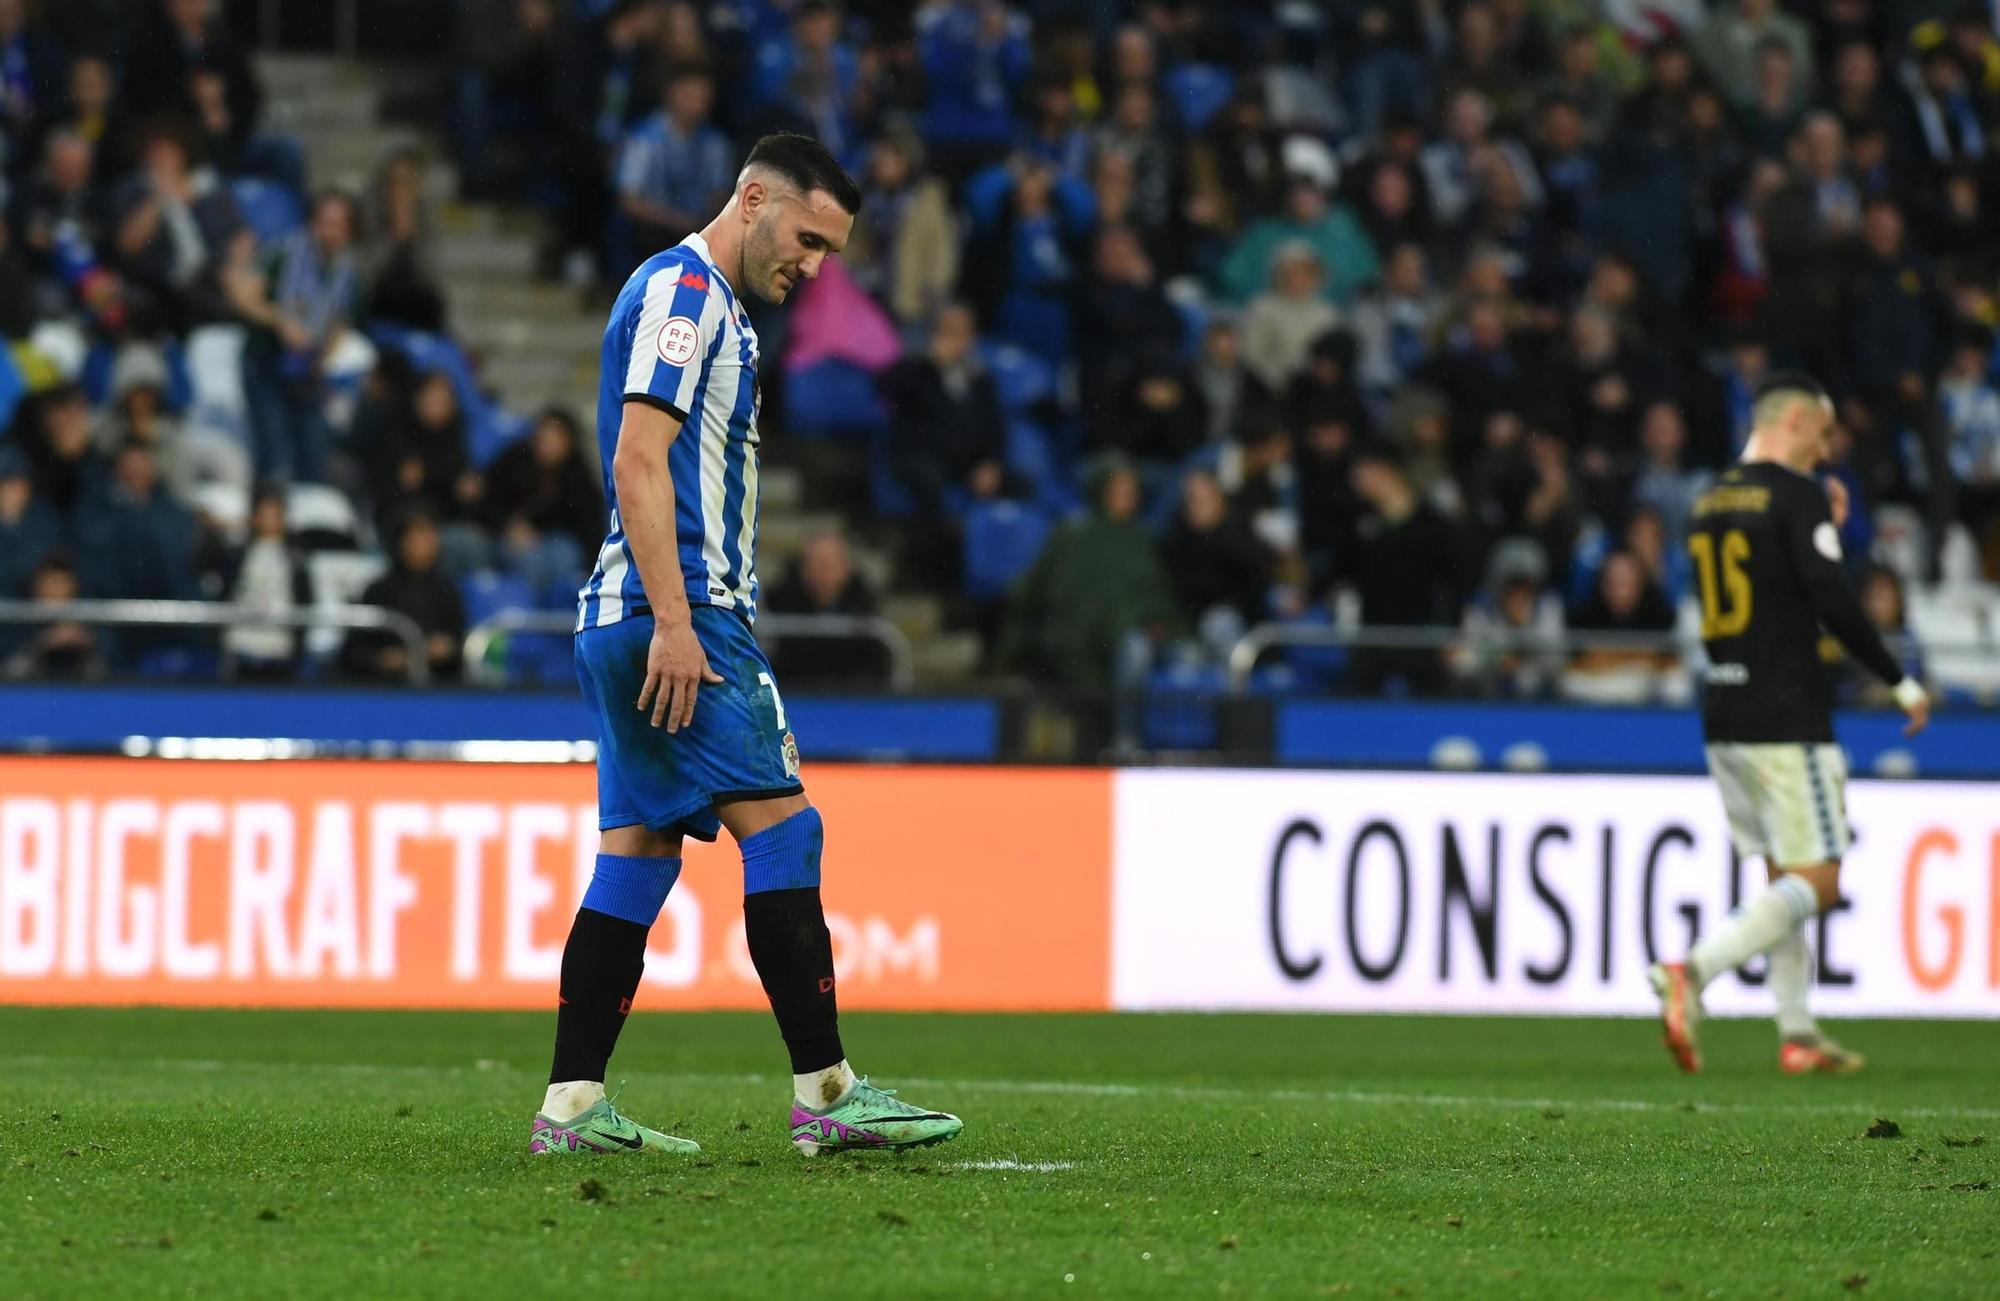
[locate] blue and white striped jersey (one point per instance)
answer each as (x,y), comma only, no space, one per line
(679,340)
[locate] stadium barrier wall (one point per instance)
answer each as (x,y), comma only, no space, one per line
(1418,892)
(404,884)
(355,884)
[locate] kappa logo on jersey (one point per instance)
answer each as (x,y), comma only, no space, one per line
(696,281)
(679,338)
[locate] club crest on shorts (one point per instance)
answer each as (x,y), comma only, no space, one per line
(791,748)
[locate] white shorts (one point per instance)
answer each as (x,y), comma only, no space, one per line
(1786,801)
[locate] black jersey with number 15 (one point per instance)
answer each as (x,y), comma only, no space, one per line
(1767,570)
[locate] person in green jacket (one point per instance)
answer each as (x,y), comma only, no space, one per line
(1345,252)
(1096,590)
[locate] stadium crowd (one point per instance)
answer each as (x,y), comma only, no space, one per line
(1160,320)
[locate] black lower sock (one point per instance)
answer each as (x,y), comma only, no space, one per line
(793,954)
(600,974)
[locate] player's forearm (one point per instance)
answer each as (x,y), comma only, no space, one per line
(646,509)
(1843,617)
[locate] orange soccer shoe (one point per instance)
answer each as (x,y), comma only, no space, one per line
(1818,1055)
(1680,1012)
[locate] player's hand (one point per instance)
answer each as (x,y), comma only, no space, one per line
(1836,501)
(1918,716)
(676,668)
(1915,704)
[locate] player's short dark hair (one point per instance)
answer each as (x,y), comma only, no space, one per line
(808,165)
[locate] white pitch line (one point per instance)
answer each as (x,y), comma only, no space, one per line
(1009,1163)
(1078,1089)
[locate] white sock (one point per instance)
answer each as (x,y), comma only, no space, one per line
(1790,976)
(1757,927)
(567,1101)
(818,1090)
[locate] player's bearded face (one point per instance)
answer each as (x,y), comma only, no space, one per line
(763,263)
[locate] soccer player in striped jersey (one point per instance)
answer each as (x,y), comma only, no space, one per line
(692,735)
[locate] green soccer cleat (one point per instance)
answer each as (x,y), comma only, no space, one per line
(602,1130)
(868,1117)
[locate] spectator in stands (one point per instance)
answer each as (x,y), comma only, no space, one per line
(1883,601)
(1021,261)
(1221,577)
(1729,44)
(1156,420)
(29,530)
(1809,227)
(1946,125)
(1664,482)
(1231,173)
(189,455)
(823,581)
(1419,427)
(309,291)
(416,587)
(1971,409)
(1480,371)
(93,112)
(30,75)
(1135,132)
(1769,119)
(1624,604)
(603,82)
(674,167)
(1228,391)
(1392,208)
(947,443)
(1283,322)
(422,459)
(1096,600)
(1453,165)
(172,227)
(1602,385)
(1328,230)
(975,59)
(1325,386)
(398,259)
(1405,567)
(62,200)
(1124,322)
(136,540)
(1895,315)
(67,468)
(1512,644)
(51,651)
(1395,323)
(175,39)
(267,574)
(1667,568)
(810,77)
(904,249)
(548,483)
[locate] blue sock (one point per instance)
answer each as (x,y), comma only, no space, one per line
(631,887)
(786,856)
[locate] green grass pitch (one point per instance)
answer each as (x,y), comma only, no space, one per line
(257,1154)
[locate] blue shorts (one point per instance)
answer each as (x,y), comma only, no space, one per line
(736,748)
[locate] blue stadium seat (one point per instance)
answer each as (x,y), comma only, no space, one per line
(490,591)
(832,399)
(1002,540)
(1021,378)
(269,209)
(1180,707)
(1198,91)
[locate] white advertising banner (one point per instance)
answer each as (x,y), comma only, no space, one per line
(1419,892)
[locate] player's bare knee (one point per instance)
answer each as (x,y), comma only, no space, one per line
(745,818)
(639,841)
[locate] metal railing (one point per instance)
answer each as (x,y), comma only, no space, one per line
(218,614)
(1250,648)
(770,628)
